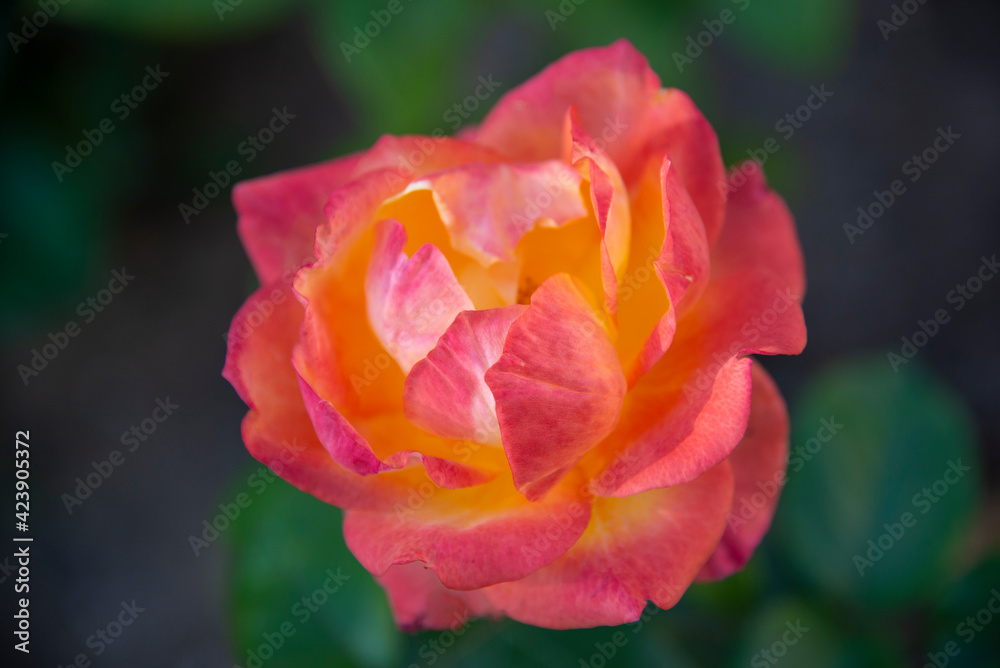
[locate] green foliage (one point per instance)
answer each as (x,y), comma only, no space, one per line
(53,233)
(791,632)
(967,621)
(284,547)
(500,644)
(798,37)
(887,479)
(405,78)
(177,20)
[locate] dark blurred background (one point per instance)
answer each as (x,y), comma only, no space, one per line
(898,72)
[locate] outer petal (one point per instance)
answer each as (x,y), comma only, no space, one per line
(471,538)
(691,409)
(759,232)
(644,547)
(350,210)
(610,86)
(277,430)
(410,301)
(446,392)
(758,463)
(558,385)
(279,214)
(674,126)
(412,156)
(488,208)
(420,602)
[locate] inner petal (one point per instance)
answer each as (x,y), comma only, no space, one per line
(574,248)
(504,229)
(487,287)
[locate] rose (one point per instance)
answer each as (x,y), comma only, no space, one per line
(518,359)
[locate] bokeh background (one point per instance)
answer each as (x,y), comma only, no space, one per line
(898,72)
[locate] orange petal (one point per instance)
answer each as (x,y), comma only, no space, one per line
(349,448)
(558,385)
(339,354)
(488,208)
(645,547)
(277,430)
(471,538)
(610,202)
(682,266)
(691,409)
(384,172)
(410,301)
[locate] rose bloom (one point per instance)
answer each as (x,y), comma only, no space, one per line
(518,359)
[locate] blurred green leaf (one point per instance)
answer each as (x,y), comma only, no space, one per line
(406,82)
(788,170)
(174,19)
(795,36)
(54,235)
(790,632)
(285,545)
(967,632)
(407,70)
(486,644)
(843,517)
(733,595)
(795,634)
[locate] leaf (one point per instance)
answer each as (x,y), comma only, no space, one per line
(799,37)
(872,515)
(175,19)
(486,644)
(403,69)
(965,632)
(288,545)
(54,236)
(414,72)
(796,634)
